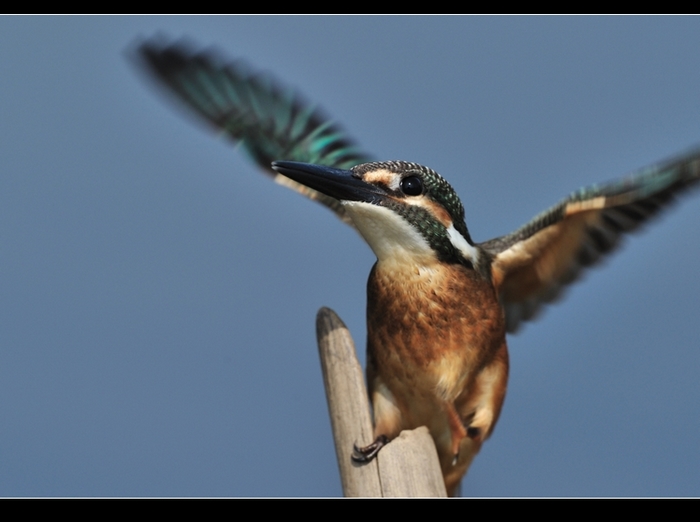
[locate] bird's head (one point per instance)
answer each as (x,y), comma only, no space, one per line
(405,211)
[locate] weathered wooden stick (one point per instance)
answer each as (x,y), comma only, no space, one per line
(347,404)
(408,466)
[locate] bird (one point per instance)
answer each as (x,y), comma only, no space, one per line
(439,304)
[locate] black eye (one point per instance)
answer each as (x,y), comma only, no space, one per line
(412,186)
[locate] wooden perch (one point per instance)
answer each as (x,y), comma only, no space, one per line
(406,467)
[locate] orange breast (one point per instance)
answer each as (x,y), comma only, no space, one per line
(430,331)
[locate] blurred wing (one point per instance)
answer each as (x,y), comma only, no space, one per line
(532,265)
(270,121)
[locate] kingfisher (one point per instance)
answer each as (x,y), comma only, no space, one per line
(439,304)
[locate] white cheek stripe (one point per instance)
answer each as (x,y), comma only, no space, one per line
(458,241)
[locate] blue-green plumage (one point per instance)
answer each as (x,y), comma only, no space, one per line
(270,121)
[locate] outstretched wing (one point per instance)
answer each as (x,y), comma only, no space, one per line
(532,265)
(269,120)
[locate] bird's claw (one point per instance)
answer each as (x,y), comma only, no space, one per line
(367,453)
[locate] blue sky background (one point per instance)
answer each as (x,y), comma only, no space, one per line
(158,295)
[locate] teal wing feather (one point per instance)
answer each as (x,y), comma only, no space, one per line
(534,264)
(269,120)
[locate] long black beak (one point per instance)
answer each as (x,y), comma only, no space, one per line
(341,184)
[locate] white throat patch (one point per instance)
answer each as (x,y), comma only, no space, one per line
(389,235)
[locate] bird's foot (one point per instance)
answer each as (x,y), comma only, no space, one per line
(473,432)
(366,454)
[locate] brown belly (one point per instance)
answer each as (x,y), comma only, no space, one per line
(436,349)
